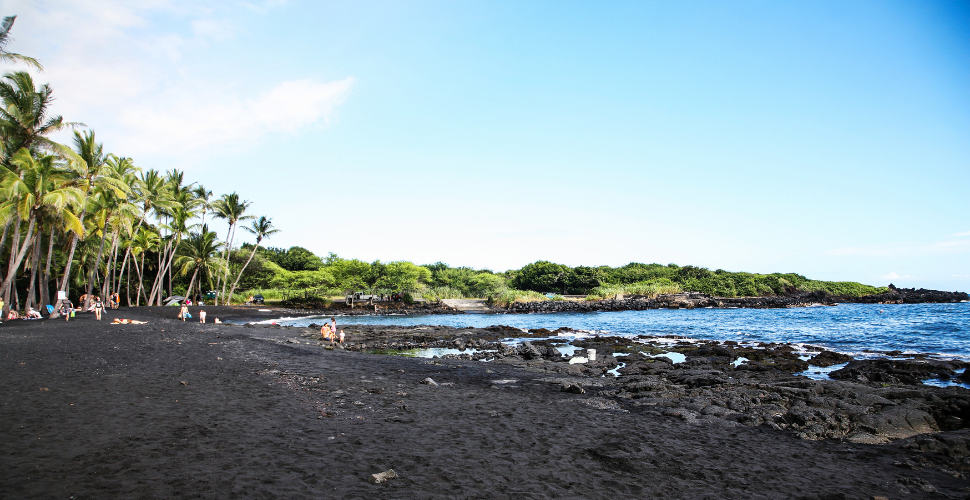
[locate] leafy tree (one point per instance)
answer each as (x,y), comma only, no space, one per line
(262,228)
(300,259)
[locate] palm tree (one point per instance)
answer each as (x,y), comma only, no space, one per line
(87,164)
(5,39)
(202,196)
(231,208)
(262,228)
(145,240)
(200,252)
(39,183)
(24,120)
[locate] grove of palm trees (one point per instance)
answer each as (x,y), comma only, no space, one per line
(80,219)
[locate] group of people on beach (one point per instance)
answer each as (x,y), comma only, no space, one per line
(329,332)
(185,314)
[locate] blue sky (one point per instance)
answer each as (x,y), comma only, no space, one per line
(830,139)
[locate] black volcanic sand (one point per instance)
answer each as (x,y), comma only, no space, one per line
(183,410)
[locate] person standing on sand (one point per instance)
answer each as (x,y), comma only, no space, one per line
(341,336)
(98,308)
(66,309)
(183,311)
(201,316)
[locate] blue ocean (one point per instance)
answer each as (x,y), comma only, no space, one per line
(942,329)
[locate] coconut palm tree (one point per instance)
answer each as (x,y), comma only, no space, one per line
(5,39)
(199,252)
(35,183)
(24,116)
(145,240)
(262,228)
(231,208)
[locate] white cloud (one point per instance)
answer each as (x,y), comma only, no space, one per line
(966,233)
(132,72)
(188,121)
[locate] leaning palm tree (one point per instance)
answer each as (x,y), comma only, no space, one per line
(231,208)
(262,228)
(35,184)
(5,39)
(199,252)
(145,240)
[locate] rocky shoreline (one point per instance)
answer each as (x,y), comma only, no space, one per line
(871,401)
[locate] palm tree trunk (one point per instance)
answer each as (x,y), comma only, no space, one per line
(232,238)
(11,268)
(233,289)
(127,283)
(15,261)
(94,268)
(122,273)
(141,280)
(3,241)
(35,261)
(188,292)
(45,277)
(160,275)
(109,270)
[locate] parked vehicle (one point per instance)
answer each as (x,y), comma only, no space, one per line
(257,299)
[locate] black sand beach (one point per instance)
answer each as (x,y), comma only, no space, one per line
(182,410)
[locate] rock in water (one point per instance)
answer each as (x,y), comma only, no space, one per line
(429,381)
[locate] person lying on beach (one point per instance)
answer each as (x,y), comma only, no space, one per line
(33,313)
(13,314)
(122,321)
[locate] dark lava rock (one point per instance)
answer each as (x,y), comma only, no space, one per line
(829,358)
(891,371)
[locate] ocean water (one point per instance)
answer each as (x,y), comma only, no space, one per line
(942,329)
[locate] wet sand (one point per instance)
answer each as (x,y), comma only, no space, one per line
(183,410)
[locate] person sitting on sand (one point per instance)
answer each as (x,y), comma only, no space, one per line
(13,314)
(115,300)
(66,309)
(325,331)
(217,321)
(183,312)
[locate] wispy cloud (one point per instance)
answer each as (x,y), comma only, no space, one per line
(126,69)
(965,233)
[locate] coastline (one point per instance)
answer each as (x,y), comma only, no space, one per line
(170,409)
